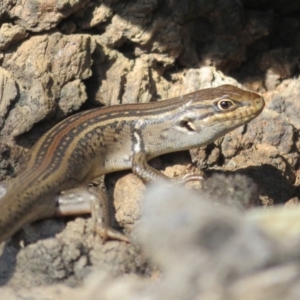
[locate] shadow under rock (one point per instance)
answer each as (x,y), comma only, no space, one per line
(8,262)
(273,187)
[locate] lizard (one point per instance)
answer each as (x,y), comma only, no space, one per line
(102,140)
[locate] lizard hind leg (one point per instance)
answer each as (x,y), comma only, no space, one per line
(89,201)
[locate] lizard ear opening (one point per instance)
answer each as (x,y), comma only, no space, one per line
(188,125)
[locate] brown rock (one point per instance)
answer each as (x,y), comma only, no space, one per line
(8,93)
(93,14)
(42,15)
(286,105)
(10,35)
(141,51)
(55,61)
(292,203)
(72,96)
(127,195)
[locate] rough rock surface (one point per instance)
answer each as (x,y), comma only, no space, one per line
(58,57)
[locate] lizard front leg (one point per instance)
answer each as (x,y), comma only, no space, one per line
(144,171)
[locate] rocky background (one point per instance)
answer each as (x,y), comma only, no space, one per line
(59,57)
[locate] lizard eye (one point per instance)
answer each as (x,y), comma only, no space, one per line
(225,104)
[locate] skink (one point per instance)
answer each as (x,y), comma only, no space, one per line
(103,140)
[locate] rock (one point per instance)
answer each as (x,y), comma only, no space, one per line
(8,93)
(56,61)
(10,35)
(60,57)
(38,16)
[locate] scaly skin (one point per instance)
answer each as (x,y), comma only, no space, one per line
(103,140)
